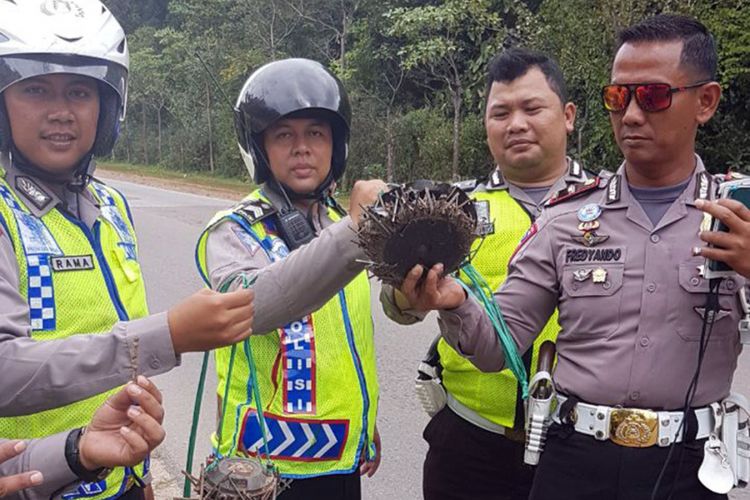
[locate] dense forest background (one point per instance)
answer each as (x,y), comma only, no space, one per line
(414,70)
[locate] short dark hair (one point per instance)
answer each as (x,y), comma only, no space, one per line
(698,45)
(517,61)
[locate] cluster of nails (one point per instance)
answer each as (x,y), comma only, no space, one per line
(401,206)
(218,483)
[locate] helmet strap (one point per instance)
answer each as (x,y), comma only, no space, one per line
(76,179)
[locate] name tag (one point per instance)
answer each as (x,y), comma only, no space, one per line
(593,255)
(72,263)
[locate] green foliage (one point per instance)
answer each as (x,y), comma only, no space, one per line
(414,70)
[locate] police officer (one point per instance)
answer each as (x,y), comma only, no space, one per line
(640,324)
(121,433)
(527,119)
(68,249)
(315,357)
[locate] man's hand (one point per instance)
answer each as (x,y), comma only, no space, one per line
(369,468)
(436,292)
(364,193)
(207,320)
(733,247)
(125,429)
(12,484)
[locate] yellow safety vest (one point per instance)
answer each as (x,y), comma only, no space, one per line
(75,280)
(494,396)
(317,375)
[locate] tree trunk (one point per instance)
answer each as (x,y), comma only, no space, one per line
(342,46)
(127,141)
(145,135)
(158,135)
(390,146)
(210,129)
(456,130)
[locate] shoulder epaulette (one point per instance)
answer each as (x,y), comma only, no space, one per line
(605,174)
(466,186)
(254,210)
(574,191)
(731,176)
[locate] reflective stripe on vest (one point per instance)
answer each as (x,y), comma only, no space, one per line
(493,396)
(75,280)
(308,376)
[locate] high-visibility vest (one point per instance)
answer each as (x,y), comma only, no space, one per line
(75,280)
(494,396)
(317,375)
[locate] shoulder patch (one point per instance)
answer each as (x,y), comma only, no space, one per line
(467,186)
(254,210)
(576,170)
(732,176)
(574,191)
(496,180)
(605,174)
(33,192)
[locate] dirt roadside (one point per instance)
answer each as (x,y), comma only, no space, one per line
(174,184)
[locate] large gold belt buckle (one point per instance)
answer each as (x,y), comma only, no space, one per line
(633,428)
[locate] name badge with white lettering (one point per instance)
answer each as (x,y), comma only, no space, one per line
(72,263)
(593,255)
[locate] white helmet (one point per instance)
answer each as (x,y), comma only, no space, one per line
(41,37)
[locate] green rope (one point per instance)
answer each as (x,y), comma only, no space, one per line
(246,283)
(224,399)
(194,427)
(482,293)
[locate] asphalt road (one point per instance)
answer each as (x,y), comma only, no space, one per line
(168,224)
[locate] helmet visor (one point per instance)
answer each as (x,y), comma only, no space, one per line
(15,68)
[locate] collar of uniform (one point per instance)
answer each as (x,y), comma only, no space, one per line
(573,175)
(37,196)
(575,172)
(625,196)
(278,201)
(496,181)
(26,186)
(693,191)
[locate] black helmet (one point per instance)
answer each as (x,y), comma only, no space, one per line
(279,89)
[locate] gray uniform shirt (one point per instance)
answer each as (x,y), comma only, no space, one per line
(41,375)
(629,338)
(295,286)
(47,456)
(574,175)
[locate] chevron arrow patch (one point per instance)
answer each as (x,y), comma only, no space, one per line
(293,439)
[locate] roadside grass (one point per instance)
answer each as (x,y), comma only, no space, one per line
(233,184)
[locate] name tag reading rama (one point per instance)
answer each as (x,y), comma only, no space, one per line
(72,263)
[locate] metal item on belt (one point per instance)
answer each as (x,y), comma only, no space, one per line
(736,435)
(429,389)
(744,326)
(635,427)
(428,386)
(539,405)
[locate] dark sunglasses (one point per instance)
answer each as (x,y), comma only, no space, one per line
(649,96)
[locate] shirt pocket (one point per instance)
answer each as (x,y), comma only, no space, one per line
(592,309)
(690,305)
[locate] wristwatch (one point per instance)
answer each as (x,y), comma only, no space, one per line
(73,457)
